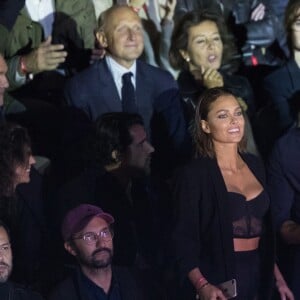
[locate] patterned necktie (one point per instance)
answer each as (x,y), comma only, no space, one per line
(128,94)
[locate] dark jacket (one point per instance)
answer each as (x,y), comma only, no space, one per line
(284,188)
(203,227)
(11,291)
(94,91)
(191,89)
(130,286)
(133,211)
(24,215)
(282,89)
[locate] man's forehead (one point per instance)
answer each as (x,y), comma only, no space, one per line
(122,15)
(3,236)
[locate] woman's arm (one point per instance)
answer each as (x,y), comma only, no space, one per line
(204,289)
(283,290)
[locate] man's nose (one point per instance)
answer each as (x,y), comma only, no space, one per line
(100,241)
(131,34)
(150,148)
(32,160)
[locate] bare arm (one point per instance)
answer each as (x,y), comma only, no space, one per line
(204,289)
(283,290)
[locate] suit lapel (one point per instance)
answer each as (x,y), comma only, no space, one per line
(143,84)
(107,88)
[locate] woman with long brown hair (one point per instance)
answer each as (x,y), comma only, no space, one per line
(223,227)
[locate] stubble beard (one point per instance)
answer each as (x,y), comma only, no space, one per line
(4,275)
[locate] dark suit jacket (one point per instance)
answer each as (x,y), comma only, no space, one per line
(203,227)
(284,189)
(11,291)
(94,91)
(282,87)
(284,178)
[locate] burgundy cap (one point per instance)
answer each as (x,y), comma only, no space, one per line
(77,218)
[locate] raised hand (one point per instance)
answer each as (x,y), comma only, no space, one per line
(46,57)
(167,11)
(211,78)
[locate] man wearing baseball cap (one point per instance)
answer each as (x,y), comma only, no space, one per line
(88,236)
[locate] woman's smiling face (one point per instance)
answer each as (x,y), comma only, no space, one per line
(225,121)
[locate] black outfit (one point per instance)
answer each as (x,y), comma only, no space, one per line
(95,292)
(11,291)
(284,189)
(126,285)
(2,119)
(283,90)
(203,231)
(23,213)
(191,89)
(247,216)
(247,222)
(9,11)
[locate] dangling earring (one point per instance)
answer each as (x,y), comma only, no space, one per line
(187,59)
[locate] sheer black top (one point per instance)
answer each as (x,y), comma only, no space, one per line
(247,215)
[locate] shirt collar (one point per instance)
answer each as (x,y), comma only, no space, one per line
(117,70)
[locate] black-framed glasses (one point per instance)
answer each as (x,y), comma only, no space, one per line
(92,237)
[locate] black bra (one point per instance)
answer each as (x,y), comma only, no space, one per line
(247,215)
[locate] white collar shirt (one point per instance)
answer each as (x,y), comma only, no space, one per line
(42,11)
(118,71)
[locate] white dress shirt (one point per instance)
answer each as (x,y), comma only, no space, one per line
(118,71)
(42,11)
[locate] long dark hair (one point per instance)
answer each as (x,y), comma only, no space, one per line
(14,150)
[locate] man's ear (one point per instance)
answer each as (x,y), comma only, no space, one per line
(205,126)
(70,249)
(101,38)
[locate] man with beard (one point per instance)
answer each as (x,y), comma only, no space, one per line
(9,290)
(119,182)
(88,235)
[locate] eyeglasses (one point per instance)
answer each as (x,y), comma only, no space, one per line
(91,238)
(4,249)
